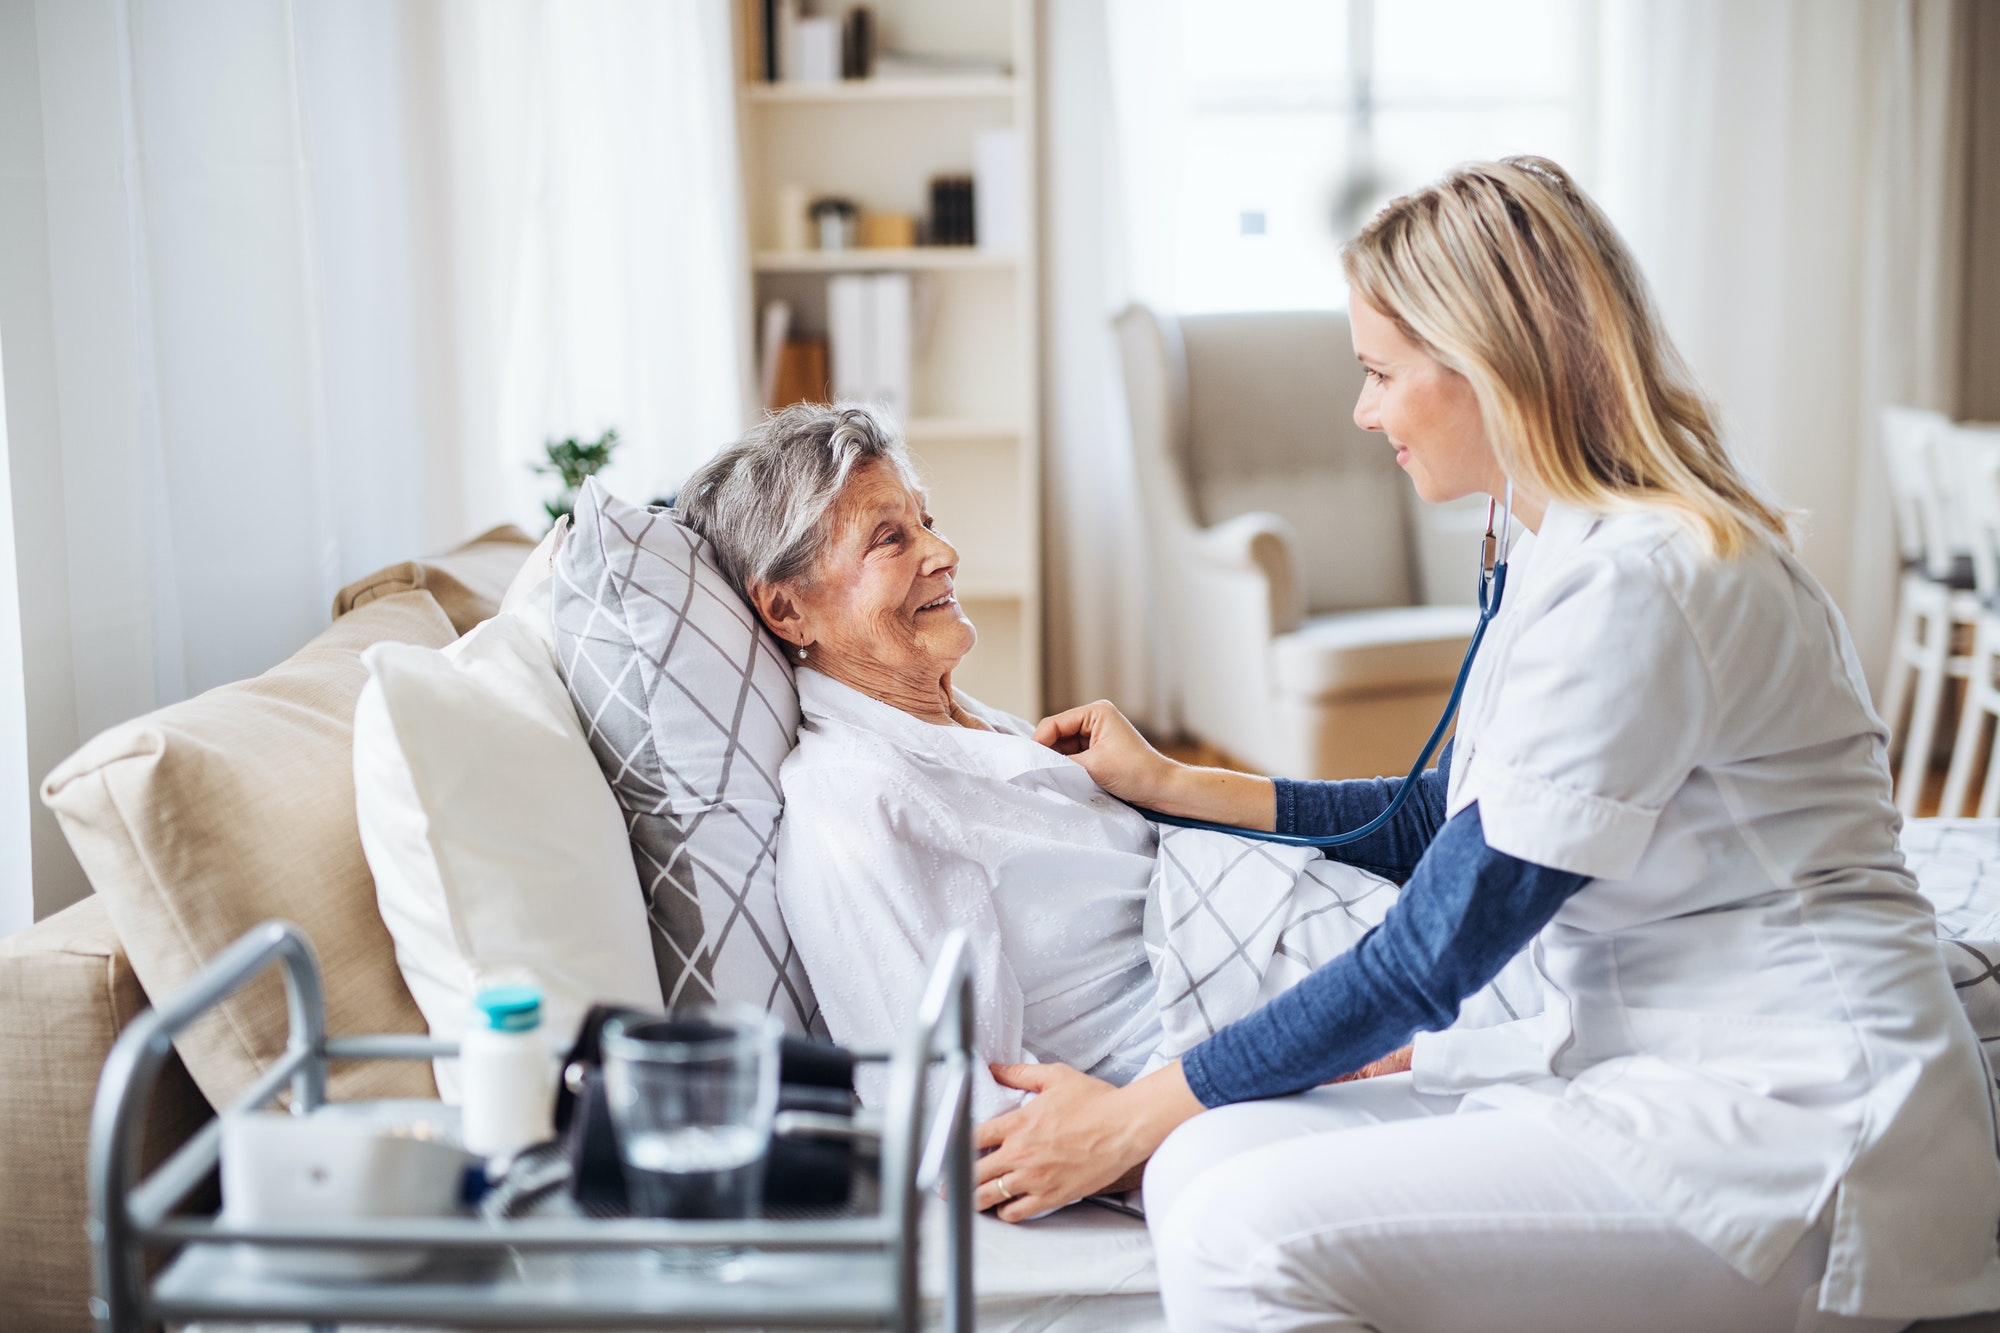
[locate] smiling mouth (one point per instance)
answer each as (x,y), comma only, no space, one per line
(938,604)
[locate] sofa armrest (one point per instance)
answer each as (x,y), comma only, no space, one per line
(1261,543)
(66,990)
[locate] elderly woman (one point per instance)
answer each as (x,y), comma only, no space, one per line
(910,807)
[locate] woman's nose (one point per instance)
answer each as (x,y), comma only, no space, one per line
(940,554)
(1365,415)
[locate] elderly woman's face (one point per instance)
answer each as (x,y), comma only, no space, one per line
(881,605)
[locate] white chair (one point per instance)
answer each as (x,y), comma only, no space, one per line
(1290,561)
(1936,596)
(1971,455)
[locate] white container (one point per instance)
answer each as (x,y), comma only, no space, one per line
(792,227)
(344,1161)
(506,1074)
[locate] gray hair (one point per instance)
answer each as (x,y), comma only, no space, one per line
(765,503)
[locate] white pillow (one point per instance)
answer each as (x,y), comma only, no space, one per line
(499,853)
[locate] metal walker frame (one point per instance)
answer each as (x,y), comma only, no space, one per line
(853,1272)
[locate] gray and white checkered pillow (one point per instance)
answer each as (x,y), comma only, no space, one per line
(690,708)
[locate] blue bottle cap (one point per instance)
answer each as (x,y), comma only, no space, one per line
(511,1008)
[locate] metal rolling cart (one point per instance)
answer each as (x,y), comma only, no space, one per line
(854,1270)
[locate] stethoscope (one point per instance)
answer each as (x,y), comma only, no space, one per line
(1494,549)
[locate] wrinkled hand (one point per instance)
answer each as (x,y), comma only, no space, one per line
(1078,1136)
(1110,749)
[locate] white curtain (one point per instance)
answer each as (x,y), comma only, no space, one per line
(598,240)
(1790,173)
(291,291)
(1110,90)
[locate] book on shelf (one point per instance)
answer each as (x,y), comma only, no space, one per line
(793,368)
(771,350)
(951,219)
(802,44)
(868,317)
(996,190)
(802,373)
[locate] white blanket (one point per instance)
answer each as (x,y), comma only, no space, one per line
(1232,922)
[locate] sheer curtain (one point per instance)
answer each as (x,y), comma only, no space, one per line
(1791,174)
(1107,64)
(291,291)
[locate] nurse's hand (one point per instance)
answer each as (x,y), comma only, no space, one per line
(1076,1137)
(1113,752)
(1110,749)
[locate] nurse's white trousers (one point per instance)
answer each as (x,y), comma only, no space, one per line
(1367,1205)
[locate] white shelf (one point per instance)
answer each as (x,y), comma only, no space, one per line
(864,260)
(942,89)
(975,384)
(938,430)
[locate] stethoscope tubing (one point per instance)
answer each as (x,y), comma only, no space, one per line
(1492,587)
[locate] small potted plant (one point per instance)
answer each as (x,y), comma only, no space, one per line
(573,460)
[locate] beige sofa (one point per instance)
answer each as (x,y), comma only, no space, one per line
(194,823)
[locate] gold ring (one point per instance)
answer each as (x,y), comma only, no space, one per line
(1005,1193)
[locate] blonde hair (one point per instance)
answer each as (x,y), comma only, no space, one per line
(1508,274)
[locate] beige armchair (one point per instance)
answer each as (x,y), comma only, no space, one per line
(1292,558)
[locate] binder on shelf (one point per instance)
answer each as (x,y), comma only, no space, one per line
(996,190)
(891,293)
(868,331)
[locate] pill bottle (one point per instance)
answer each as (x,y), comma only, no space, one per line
(506,1074)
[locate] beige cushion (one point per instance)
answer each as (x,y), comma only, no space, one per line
(203,819)
(65,992)
(468,582)
(1361,652)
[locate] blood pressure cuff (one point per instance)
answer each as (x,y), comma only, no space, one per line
(799,1173)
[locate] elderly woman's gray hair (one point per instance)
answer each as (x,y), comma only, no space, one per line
(765,503)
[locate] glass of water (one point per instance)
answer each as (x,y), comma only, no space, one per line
(692,1097)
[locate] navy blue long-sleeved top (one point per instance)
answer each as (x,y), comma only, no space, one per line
(1465,910)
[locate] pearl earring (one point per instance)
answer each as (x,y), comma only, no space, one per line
(802,652)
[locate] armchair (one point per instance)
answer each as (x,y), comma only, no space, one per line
(1290,555)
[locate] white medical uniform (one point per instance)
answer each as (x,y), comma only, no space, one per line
(1749,1039)
(897,830)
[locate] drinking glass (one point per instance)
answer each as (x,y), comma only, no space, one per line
(692,1096)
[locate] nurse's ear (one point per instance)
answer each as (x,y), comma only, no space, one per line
(779,609)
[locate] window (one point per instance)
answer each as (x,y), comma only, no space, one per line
(1302,117)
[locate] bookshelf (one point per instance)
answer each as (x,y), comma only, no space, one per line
(974,415)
